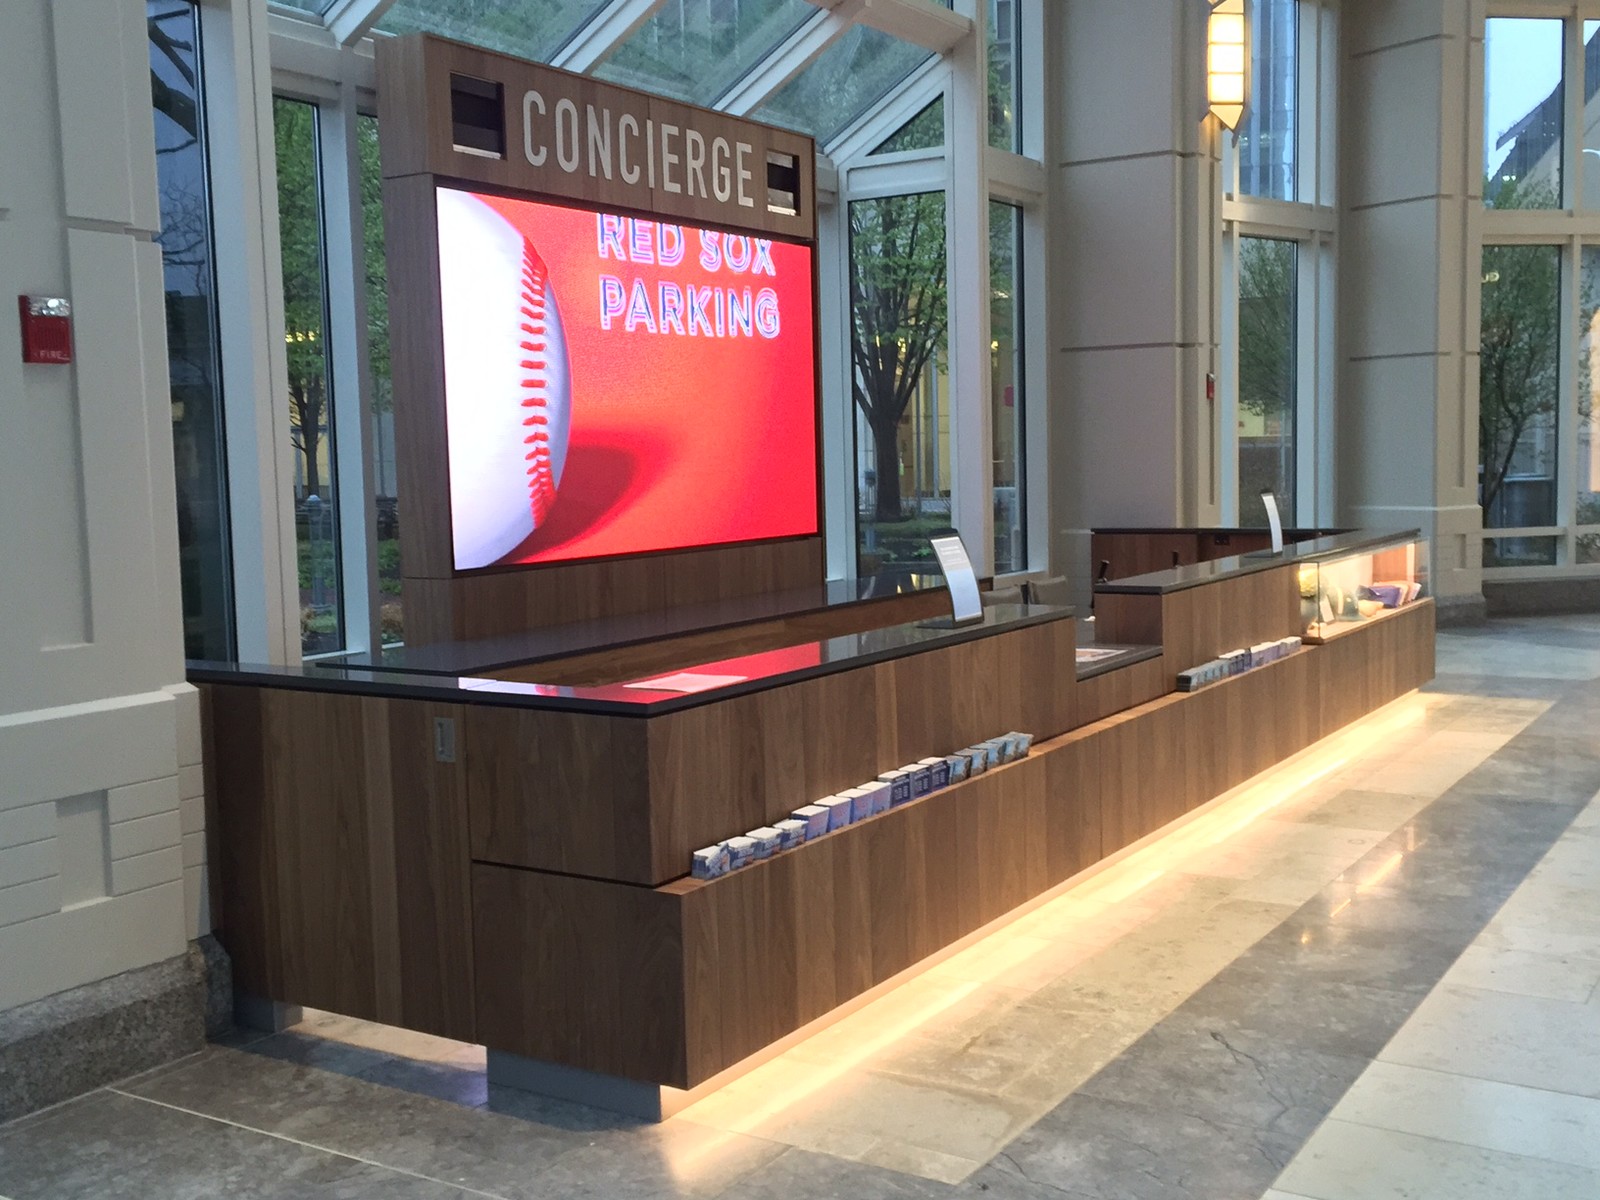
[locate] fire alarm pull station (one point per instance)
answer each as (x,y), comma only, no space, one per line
(46,329)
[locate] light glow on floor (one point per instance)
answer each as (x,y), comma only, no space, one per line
(772,1091)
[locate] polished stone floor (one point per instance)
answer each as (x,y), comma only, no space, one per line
(1372,973)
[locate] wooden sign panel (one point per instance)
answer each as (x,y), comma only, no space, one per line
(462,113)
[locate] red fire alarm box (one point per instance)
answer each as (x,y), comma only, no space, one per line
(46,329)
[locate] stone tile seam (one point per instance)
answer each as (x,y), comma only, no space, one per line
(1451,1142)
(1526,1087)
(464,1190)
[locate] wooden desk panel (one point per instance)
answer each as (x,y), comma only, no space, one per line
(632,799)
(343,877)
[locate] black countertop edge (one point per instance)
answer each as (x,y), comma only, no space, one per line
(1177,579)
(605,701)
(480,655)
(1129,656)
(1187,530)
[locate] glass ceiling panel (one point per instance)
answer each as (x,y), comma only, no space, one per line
(533,29)
(315,7)
(850,77)
(695,50)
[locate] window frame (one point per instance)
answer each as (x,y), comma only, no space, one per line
(1571,228)
(1311,221)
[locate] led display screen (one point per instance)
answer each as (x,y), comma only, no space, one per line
(615,385)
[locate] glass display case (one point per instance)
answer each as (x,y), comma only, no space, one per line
(1347,590)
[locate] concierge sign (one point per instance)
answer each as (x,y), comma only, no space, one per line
(507,123)
(602,323)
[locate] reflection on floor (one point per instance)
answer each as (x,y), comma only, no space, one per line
(1178,1025)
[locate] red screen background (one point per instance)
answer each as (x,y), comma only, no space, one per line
(675,441)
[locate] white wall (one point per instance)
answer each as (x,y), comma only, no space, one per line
(101,828)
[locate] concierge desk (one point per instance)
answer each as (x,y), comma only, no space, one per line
(499,851)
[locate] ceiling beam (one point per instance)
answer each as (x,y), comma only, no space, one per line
(793,55)
(351,20)
(598,39)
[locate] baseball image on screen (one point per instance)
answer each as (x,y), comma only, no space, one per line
(616,385)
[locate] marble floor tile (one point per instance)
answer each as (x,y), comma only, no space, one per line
(491,1151)
(1344,1161)
(116,1147)
(822,1177)
(880,1107)
(1524,1040)
(1523,973)
(1215,1071)
(1343,1020)
(934,1165)
(1476,1112)
(1357,808)
(1103,1149)
(676,1159)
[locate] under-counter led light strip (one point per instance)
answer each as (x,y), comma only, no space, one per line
(1087,896)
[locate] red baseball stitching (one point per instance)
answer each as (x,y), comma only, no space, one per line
(535,386)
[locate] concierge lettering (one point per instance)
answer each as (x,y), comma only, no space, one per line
(601,145)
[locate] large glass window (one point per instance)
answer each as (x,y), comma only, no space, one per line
(533,29)
(193,363)
(925,131)
(898,325)
(845,80)
(1519,398)
(385,478)
(694,50)
(1005,57)
(1268,377)
(310,386)
(1268,141)
(1522,112)
(1007,408)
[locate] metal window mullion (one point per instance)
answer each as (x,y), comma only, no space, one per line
(598,38)
(1324,415)
(967,261)
(1327,125)
(344,256)
(1035,293)
(1566,464)
(1307,82)
(1572,113)
(793,55)
(243,175)
(1228,378)
(872,128)
(839,472)
(1307,308)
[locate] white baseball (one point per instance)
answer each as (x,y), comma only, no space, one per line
(507,382)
